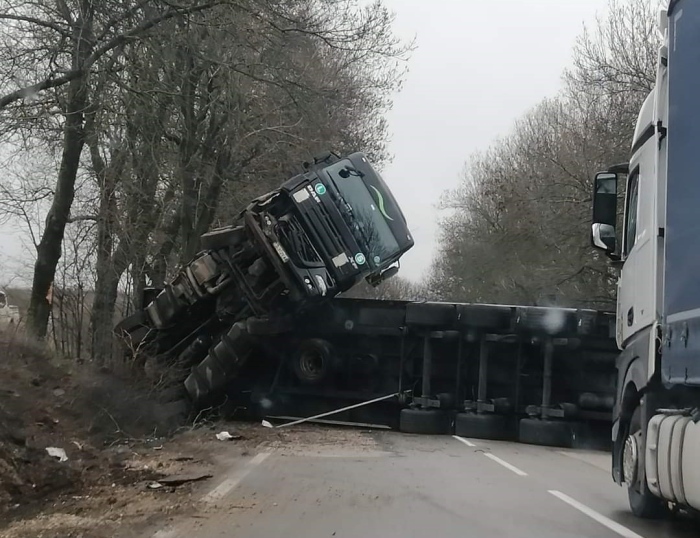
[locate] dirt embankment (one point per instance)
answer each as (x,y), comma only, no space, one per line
(109,435)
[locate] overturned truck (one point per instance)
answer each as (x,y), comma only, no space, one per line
(318,235)
(255,322)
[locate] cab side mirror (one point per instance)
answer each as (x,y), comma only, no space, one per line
(603,233)
(375,280)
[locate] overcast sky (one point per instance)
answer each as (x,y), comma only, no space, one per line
(478,66)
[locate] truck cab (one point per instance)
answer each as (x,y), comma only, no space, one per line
(331,226)
(656,441)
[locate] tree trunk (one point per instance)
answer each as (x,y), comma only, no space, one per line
(49,248)
(48,252)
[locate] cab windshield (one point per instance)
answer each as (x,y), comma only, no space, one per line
(368,225)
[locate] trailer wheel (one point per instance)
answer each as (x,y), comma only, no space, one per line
(425,421)
(229,236)
(312,363)
(535,431)
(643,503)
(483,426)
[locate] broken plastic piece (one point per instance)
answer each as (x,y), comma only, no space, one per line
(266,424)
(226,436)
(56,452)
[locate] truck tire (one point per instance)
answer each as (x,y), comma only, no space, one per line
(643,503)
(208,379)
(229,236)
(312,363)
(535,431)
(483,426)
(425,421)
(133,330)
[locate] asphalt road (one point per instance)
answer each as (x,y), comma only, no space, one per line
(413,486)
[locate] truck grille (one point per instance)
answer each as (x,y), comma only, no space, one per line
(297,243)
(334,235)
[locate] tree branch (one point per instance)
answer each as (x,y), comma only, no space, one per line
(113,43)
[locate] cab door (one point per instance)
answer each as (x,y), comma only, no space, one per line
(636,291)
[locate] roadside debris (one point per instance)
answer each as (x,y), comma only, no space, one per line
(58,453)
(226,436)
(329,413)
(179,480)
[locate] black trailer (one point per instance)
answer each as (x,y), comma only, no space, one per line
(538,375)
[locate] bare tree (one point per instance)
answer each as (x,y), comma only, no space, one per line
(63,43)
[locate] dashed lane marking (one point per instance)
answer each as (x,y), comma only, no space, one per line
(600,518)
(227,485)
(463,440)
(505,464)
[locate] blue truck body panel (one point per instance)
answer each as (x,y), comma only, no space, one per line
(680,361)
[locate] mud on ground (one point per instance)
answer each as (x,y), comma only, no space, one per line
(112,433)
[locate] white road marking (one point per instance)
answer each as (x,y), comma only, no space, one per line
(227,485)
(219,491)
(600,518)
(463,440)
(505,464)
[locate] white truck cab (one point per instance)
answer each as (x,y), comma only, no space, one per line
(9,314)
(656,435)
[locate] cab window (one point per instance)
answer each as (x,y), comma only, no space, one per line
(631,211)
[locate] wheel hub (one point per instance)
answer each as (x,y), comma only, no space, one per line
(311,364)
(630,460)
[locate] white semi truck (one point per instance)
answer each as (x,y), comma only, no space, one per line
(9,314)
(656,429)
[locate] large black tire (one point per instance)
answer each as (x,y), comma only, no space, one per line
(312,363)
(230,236)
(535,431)
(643,503)
(486,426)
(211,376)
(134,330)
(425,421)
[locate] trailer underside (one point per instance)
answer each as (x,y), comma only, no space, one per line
(540,375)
